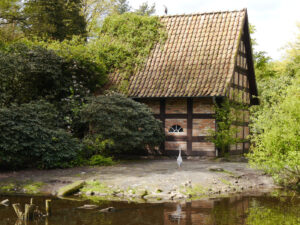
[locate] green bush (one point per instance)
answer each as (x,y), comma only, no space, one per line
(276,134)
(95,144)
(129,126)
(99,160)
(30,72)
(30,137)
(225,135)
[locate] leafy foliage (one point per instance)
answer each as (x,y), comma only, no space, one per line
(99,160)
(122,6)
(29,137)
(276,123)
(285,212)
(56,63)
(123,44)
(132,37)
(129,125)
(146,9)
(10,16)
(225,134)
(95,11)
(32,73)
(263,67)
(276,135)
(54,19)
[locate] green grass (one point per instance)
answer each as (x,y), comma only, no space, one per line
(33,187)
(225,182)
(5,188)
(97,186)
(99,160)
(28,187)
(195,190)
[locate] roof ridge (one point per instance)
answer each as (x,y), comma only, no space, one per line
(205,13)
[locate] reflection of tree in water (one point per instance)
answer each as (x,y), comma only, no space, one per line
(256,211)
(283,211)
(229,211)
(238,210)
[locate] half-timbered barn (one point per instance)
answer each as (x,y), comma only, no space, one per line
(206,58)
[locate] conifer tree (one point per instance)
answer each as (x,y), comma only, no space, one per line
(54,19)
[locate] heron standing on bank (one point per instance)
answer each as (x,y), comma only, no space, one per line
(179,158)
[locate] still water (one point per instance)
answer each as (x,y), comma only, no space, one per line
(253,210)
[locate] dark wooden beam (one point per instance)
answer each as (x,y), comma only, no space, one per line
(176,138)
(189,125)
(241,70)
(250,64)
(193,153)
(203,116)
(185,116)
(176,116)
(200,138)
(239,123)
(162,118)
(242,53)
(185,138)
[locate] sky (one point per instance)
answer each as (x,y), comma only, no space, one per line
(275,20)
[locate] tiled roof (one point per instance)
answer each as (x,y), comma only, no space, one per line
(197,58)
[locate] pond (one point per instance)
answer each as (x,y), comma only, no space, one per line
(239,209)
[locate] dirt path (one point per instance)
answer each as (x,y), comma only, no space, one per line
(159,178)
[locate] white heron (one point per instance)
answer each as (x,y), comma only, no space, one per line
(179,158)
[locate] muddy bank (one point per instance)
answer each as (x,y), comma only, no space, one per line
(144,180)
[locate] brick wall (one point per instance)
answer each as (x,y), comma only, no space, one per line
(239,146)
(246,132)
(247,145)
(203,146)
(201,127)
(246,116)
(203,106)
(172,145)
(240,131)
(174,106)
(154,105)
(232,147)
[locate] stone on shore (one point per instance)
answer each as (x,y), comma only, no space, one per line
(216,169)
(71,188)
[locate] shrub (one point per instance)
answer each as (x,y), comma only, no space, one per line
(276,134)
(99,160)
(95,144)
(225,134)
(29,137)
(129,125)
(29,73)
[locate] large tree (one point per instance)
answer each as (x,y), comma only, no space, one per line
(54,19)
(276,121)
(10,18)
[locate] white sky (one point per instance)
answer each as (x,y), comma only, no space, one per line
(275,20)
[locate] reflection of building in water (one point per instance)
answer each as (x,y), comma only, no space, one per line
(191,212)
(208,212)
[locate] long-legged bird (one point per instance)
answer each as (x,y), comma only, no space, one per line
(179,159)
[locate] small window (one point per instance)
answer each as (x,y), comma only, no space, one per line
(175,129)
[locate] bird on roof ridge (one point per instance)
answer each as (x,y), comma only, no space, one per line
(166,9)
